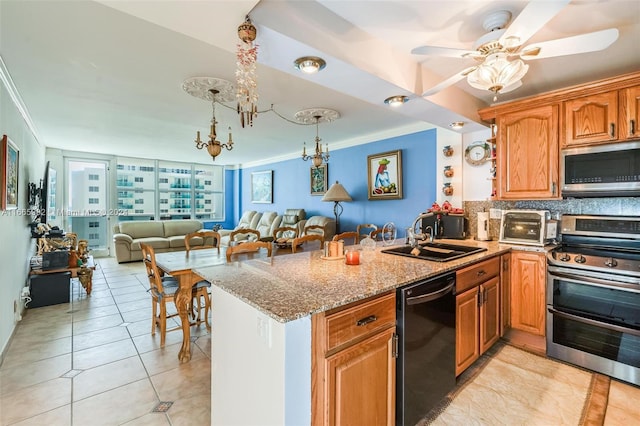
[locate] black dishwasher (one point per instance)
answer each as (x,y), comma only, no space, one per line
(426,327)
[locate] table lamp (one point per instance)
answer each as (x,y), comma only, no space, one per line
(337,193)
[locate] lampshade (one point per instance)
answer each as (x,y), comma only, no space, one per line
(337,193)
(497,72)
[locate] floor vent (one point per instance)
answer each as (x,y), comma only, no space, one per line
(162,407)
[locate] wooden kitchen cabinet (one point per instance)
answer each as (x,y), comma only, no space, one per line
(505,290)
(354,365)
(528,154)
(528,283)
(591,119)
(630,113)
(477,311)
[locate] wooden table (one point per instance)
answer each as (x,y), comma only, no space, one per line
(179,264)
(84,273)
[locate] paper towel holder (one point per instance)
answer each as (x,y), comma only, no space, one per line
(483,227)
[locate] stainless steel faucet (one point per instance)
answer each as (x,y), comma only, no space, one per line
(414,237)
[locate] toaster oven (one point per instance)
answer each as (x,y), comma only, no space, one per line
(531,227)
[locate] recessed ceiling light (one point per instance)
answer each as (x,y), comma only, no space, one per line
(310,64)
(396,101)
(457,125)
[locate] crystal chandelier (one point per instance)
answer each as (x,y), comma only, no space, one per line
(246,82)
(214,90)
(316,115)
(319,156)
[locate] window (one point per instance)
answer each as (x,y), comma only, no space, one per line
(94,201)
(94,189)
(94,177)
(93,236)
(169,190)
(94,224)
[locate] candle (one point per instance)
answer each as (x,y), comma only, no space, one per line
(353,257)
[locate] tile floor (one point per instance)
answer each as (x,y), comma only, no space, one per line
(94,362)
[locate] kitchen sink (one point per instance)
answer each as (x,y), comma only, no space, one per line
(436,252)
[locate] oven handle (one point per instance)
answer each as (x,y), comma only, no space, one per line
(593,281)
(589,321)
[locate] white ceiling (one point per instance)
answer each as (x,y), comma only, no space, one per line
(106,76)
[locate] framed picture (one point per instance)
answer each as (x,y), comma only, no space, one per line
(262,187)
(10,174)
(385,175)
(319,179)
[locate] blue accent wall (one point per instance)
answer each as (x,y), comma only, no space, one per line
(291,183)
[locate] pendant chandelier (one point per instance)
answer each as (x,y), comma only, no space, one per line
(246,82)
(316,115)
(214,90)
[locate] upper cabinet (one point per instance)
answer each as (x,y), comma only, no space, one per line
(591,119)
(601,118)
(630,113)
(531,132)
(527,151)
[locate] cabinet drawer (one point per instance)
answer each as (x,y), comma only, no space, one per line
(360,320)
(476,274)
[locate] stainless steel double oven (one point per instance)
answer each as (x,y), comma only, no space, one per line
(593,295)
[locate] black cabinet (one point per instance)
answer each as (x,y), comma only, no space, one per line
(49,289)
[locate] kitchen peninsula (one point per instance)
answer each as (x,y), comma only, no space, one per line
(263,332)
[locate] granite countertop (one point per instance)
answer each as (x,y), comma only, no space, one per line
(292,286)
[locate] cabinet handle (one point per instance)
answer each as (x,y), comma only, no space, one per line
(505,265)
(553,188)
(366,320)
(395,351)
(612,130)
(480,273)
(632,127)
(479,297)
(484,296)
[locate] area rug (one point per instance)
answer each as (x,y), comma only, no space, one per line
(515,387)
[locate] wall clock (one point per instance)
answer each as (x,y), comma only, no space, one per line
(477,153)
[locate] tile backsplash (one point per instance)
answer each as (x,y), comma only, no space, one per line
(617,206)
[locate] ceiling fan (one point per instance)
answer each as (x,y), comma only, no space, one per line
(498,54)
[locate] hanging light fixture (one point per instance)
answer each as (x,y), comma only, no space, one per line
(246,82)
(214,90)
(319,156)
(316,115)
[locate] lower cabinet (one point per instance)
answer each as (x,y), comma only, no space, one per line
(477,311)
(505,293)
(528,282)
(354,364)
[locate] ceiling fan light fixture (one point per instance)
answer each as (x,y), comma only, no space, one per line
(497,72)
(457,125)
(396,101)
(310,64)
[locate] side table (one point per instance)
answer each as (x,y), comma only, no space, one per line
(84,273)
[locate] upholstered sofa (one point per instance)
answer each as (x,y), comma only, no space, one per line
(162,235)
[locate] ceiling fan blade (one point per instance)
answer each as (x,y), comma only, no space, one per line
(534,16)
(583,43)
(443,51)
(449,82)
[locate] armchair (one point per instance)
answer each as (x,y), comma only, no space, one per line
(269,222)
(249,220)
(322,225)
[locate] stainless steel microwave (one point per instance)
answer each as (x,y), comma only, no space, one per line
(529,227)
(611,170)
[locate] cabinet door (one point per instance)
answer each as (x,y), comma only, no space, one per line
(630,113)
(528,282)
(505,296)
(361,382)
(528,154)
(591,119)
(489,313)
(467,339)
